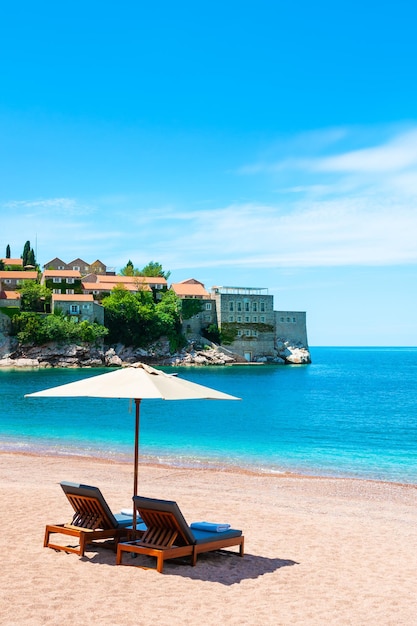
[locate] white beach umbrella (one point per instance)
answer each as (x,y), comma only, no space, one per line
(138,382)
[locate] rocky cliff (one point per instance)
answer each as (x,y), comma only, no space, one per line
(13,354)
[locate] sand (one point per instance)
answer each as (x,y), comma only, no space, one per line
(318,551)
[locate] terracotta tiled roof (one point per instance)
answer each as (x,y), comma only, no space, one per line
(137,280)
(108,286)
(190,281)
(61,273)
(93,286)
(103,278)
(9,295)
(190,290)
(21,274)
(12,261)
(75,297)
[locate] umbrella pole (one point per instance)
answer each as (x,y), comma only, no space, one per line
(136,461)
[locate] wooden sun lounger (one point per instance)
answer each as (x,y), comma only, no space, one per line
(92,519)
(168,535)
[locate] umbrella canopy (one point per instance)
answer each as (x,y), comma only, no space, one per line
(138,382)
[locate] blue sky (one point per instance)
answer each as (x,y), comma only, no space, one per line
(268,144)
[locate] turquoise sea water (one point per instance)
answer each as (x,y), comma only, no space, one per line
(352,412)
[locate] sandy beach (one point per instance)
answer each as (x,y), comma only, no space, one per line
(317,550)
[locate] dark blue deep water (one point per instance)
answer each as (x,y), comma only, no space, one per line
(352,412)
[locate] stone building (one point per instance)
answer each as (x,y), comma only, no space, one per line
(62,281)
(79,307)
(245,315)
(78,265)
(193,290)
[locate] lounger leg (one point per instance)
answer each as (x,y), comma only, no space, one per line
(119,555)
(46,540)
(83,541)
(159,563)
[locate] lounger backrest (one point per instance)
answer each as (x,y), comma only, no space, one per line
(148,507)
(76,489)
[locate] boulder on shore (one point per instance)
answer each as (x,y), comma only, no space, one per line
(73,356)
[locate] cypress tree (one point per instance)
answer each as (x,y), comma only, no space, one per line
(25,254)
(31,258)
(8,252)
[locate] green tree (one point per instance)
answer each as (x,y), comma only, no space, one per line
(33,328)
(25,254)
(190,308)
(151,269)
(212,333)
(168,314)
(34,297)
(27,327)
(7,251)
(129,316)
(129,270)
(31,258)
(154,269)
(135,319)
(2,266)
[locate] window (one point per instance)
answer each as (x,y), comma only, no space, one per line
(255,318)
(56,279)
(231,305)
(262,318)
(288,320)
(74,308)
(56,291)
(239,318)
(231,318)
(254,333)
(76,267)
(61,267)
(86,306)
(208,306)
(239,333)
(254,306)
(70,292)
(281,319)
(294,320)
(246,306)
(247,332)
(7,281)
(262,306)
(247,318)
(70,281)
(239,306)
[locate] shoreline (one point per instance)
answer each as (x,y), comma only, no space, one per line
(214,469)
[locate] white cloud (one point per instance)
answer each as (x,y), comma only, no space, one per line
(356,207)
(396,155)
(332,233)
(42,207)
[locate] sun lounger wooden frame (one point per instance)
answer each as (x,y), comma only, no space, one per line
(92,520)
(168,535)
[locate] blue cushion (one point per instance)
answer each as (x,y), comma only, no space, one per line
(202,536)
(123,520)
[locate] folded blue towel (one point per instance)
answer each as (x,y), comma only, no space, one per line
(128,512)
(211,527)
